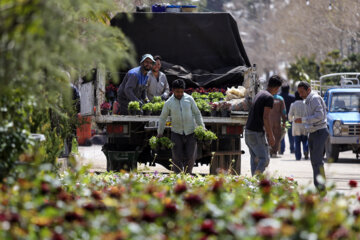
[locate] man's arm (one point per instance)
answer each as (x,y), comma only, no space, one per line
(163,117)
(283,111)
(318,112)
(267,126)
(166,92)
(130,88)
(195,110)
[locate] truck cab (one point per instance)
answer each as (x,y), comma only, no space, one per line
(343,114)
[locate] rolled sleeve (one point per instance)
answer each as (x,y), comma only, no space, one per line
(197,114)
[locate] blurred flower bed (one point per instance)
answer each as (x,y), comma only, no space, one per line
(154,206)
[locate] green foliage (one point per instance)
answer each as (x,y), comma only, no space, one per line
(39,41)
(153,143)
(147,107)
(305,68)
(209,136)
(164,142)
(195,95)
(156,99)
(157,107)
(134,105)
(216,96)
(204,135)
(203,105)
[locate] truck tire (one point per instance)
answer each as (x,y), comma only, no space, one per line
(332,152)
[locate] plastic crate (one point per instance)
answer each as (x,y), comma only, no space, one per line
(120,160)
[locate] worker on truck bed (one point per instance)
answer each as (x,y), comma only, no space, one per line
(133,85)
(157,84)
(259,120)
(184,113)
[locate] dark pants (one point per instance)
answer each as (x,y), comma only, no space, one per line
(184,152)
(317,142)
(298,140)
(291,141)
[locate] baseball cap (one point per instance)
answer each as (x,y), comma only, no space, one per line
(145,56)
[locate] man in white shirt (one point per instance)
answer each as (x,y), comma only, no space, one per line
(315,123)
(157,84)
(298,110)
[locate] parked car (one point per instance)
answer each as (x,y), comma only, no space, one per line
(343,113)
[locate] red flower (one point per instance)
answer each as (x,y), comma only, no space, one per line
(265,185)
(73,216)
(57,236)
(149,216)
(45,188)
(180,188)
(353,183)
(218,184)
(208,227)
(193,200)
(96,195)
(340,233)
(356,212)
(105,106)
(258,215)
(170,209)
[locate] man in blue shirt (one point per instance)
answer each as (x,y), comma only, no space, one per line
(184,114)
(133,85)
(289,99)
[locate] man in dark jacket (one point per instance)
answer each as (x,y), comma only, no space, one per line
(133,86)
(289,99)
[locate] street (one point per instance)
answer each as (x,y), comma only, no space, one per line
(348,168)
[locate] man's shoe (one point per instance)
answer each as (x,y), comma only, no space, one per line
(306,155)
(281,153)
(273,155)
(293,151)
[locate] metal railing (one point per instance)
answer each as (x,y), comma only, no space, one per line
(345,80)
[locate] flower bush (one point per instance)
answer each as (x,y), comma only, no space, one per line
(147,107)
(156,99)
(105,106)
(155,206)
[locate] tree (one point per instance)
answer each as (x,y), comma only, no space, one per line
(39,40)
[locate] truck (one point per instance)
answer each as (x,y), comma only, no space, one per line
(203,49)
(341,93)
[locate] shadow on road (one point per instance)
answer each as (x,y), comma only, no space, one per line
(346,160)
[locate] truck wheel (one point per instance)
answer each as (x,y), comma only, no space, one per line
(332,152)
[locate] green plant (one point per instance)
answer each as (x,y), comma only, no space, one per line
(216,95)
(134,105)
(147,107)
(156,99)
(209,136)
(153,142)
(166,142)
(199,133)
(196,95)
(157,107)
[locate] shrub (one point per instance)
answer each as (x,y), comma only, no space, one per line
(153,142)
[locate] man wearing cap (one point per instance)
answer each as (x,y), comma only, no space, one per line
(133,85)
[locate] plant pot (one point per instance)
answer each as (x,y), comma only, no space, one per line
(225,113)
(214,113)
(156,113)
(132,112)
(207,142)
(147,112)
(104,112)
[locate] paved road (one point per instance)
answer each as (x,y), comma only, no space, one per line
(340,173)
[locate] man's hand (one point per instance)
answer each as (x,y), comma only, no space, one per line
(298,120)
(271,140)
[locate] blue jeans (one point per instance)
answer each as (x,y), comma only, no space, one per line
(298,140)
(317,142)
(259,151)
(291,141)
